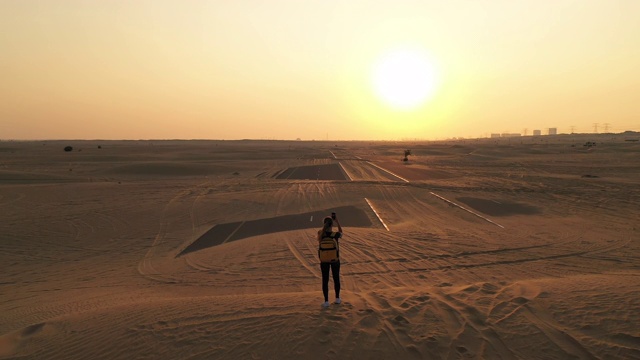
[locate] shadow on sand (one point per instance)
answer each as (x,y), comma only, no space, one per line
(350,216)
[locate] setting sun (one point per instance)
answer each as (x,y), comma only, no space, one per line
(404,79)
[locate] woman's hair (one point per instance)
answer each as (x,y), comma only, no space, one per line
(327,224)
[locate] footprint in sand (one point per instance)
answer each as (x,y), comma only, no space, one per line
(335,317)
(369,320)
(489,289)
(520,300)
(32,330)
(400,320)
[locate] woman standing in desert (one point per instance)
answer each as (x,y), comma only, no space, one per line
(329,254)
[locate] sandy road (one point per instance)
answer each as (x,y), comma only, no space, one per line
(399,205)
(412,215)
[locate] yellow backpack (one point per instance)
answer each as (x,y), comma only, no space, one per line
(328,250)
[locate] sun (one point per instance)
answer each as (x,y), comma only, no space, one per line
(404,78)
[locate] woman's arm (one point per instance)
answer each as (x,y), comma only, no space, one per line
(339,227)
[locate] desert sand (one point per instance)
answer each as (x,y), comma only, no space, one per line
(521,248)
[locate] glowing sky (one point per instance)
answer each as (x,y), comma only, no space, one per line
(303,69)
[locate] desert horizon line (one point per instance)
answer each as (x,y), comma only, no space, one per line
(504,135)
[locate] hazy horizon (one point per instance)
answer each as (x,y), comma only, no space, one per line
(407,139)
(316,70)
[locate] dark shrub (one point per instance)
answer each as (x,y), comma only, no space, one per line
(406,154)
(68,148)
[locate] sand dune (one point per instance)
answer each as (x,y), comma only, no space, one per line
(492,249)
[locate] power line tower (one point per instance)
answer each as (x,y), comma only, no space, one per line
(606,128)
(525,131)
(595,128)
(572,129)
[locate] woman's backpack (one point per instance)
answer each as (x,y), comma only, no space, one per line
(328,250)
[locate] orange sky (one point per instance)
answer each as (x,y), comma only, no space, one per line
(303,69)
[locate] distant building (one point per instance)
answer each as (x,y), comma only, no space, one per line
(553,131)
(495,135)
(537,132)
(510,134)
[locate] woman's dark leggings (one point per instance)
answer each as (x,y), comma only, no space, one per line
(335,271)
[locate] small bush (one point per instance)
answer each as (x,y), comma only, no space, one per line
(406,154)
(68,148)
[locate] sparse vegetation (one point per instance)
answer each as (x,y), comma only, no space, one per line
(68,148)
(406,155)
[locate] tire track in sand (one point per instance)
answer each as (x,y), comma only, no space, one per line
(146,267)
